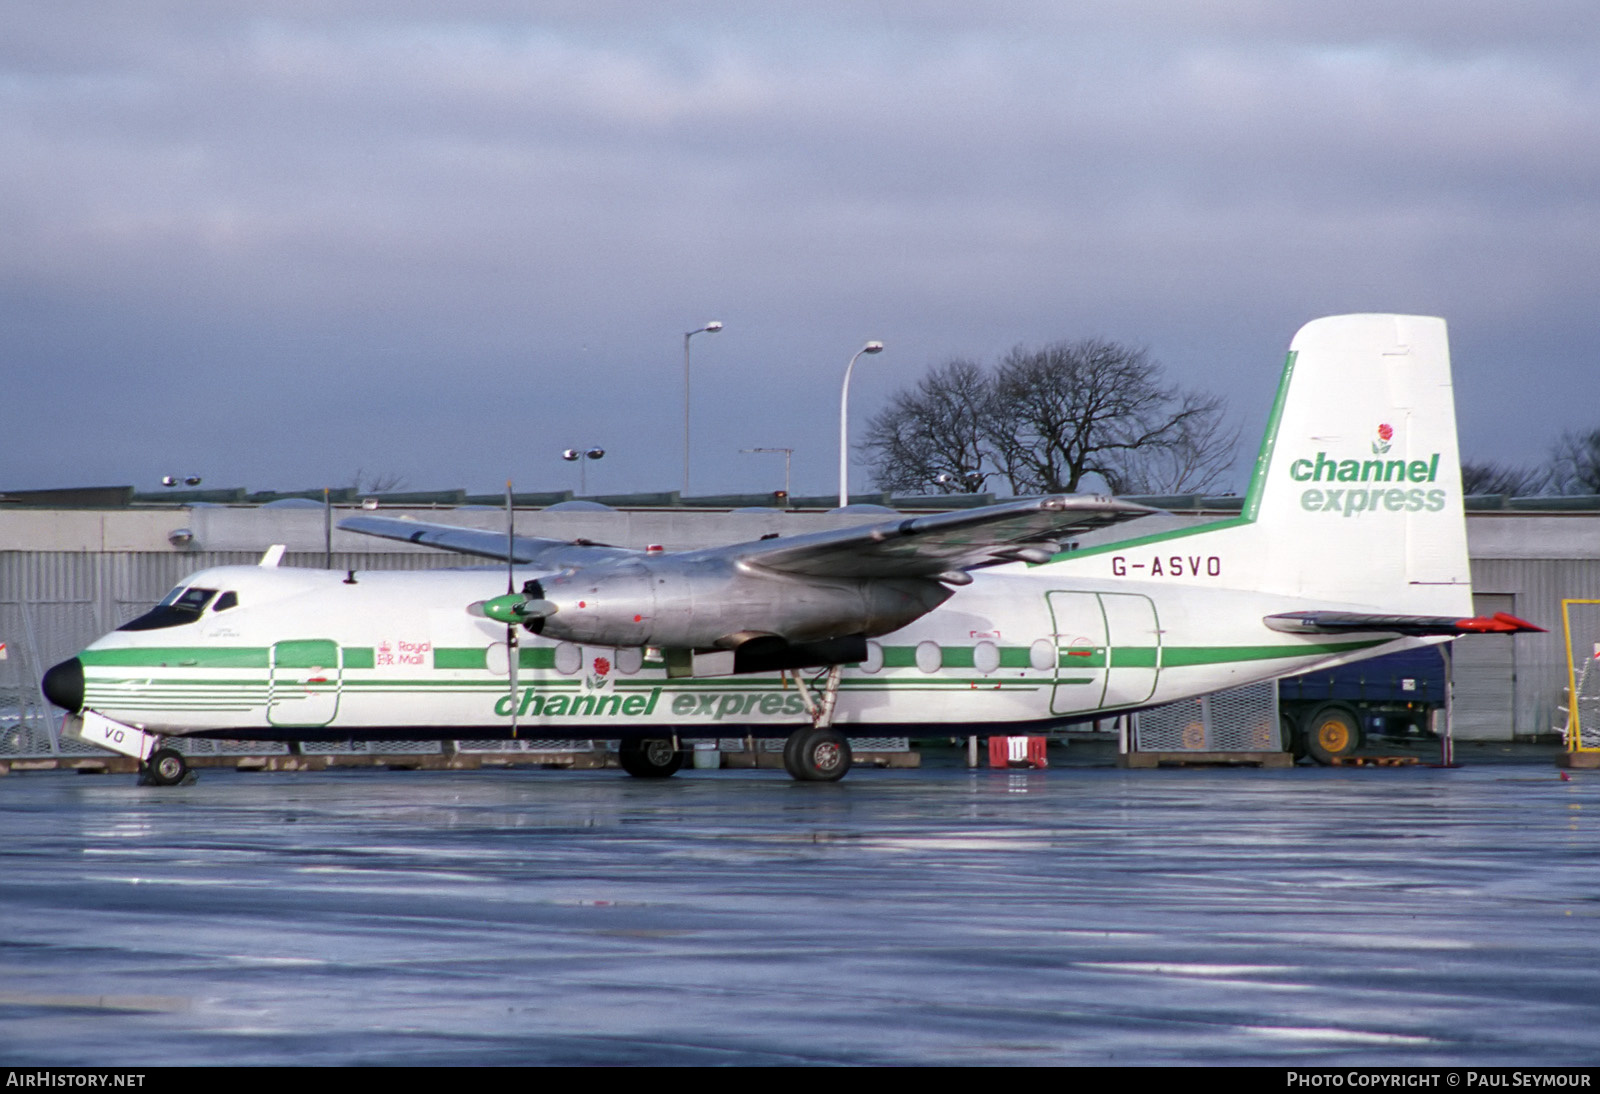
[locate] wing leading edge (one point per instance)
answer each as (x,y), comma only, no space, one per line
(557,554)
(1028,530)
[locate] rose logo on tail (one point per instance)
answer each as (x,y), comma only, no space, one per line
(1385,435)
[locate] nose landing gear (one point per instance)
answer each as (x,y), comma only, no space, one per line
(165,767)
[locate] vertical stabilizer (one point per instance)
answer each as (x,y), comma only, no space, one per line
(1355,498)
(1357,494)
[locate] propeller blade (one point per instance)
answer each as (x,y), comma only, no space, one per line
(513,656)
(511,541)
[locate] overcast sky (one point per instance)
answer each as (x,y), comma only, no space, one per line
(274,242)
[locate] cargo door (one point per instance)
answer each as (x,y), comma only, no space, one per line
(1135,638)
(1079,624)
(304,685)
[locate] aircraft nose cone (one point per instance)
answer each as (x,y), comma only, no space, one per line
(63,685)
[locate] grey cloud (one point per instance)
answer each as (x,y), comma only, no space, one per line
(444,217)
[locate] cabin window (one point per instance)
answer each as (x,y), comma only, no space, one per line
(179,607)
(986,657)
(874,661)
(568,658)
(1042,655)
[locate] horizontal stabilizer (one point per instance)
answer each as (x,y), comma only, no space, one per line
(1418,625)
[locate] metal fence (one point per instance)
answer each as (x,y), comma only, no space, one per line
(1243,719)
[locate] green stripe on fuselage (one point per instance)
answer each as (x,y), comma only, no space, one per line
(1185,656)
(208,657)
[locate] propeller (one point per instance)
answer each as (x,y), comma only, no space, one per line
(513,654)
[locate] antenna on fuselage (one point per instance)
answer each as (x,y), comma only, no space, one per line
(273,556)
(327,528)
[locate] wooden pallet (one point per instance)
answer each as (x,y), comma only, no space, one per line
(1204,759)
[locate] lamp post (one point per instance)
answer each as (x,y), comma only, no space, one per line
(844,424)
(581,456)
(710,328)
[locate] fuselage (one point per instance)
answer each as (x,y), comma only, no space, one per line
(297,653)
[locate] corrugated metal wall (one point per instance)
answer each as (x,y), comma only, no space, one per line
(1537,587)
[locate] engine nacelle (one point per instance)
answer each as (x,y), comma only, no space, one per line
(687,603)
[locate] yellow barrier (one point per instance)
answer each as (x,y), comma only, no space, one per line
(1577,682)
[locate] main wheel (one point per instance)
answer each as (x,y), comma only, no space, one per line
(817,755)
(652,758)
(1332,731)
(165,767)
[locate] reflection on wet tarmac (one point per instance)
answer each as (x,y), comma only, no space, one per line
(1310,917)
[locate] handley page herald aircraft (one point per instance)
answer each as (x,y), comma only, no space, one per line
(1350,543)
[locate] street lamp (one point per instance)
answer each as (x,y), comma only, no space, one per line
(710,328)
(581,456)
(844,424)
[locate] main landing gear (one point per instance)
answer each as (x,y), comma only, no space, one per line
(814,753)
(820,753)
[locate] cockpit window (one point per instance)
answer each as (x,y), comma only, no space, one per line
(195,599)
(179,607)
(229,599)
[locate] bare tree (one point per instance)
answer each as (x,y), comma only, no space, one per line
(1575,463)
(1045,420)
(1500,478)
(932,438)
(1094,407)
(377,482)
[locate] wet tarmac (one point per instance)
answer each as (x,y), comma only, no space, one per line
(1397,916)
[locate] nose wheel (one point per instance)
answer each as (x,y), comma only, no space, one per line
(165,767)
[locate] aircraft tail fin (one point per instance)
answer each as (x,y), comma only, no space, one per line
(1355,499)
(1356,494)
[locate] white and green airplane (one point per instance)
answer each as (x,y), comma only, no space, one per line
(1350,543)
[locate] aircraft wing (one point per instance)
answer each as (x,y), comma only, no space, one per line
(557,554)
(1420,625)
(941,543)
